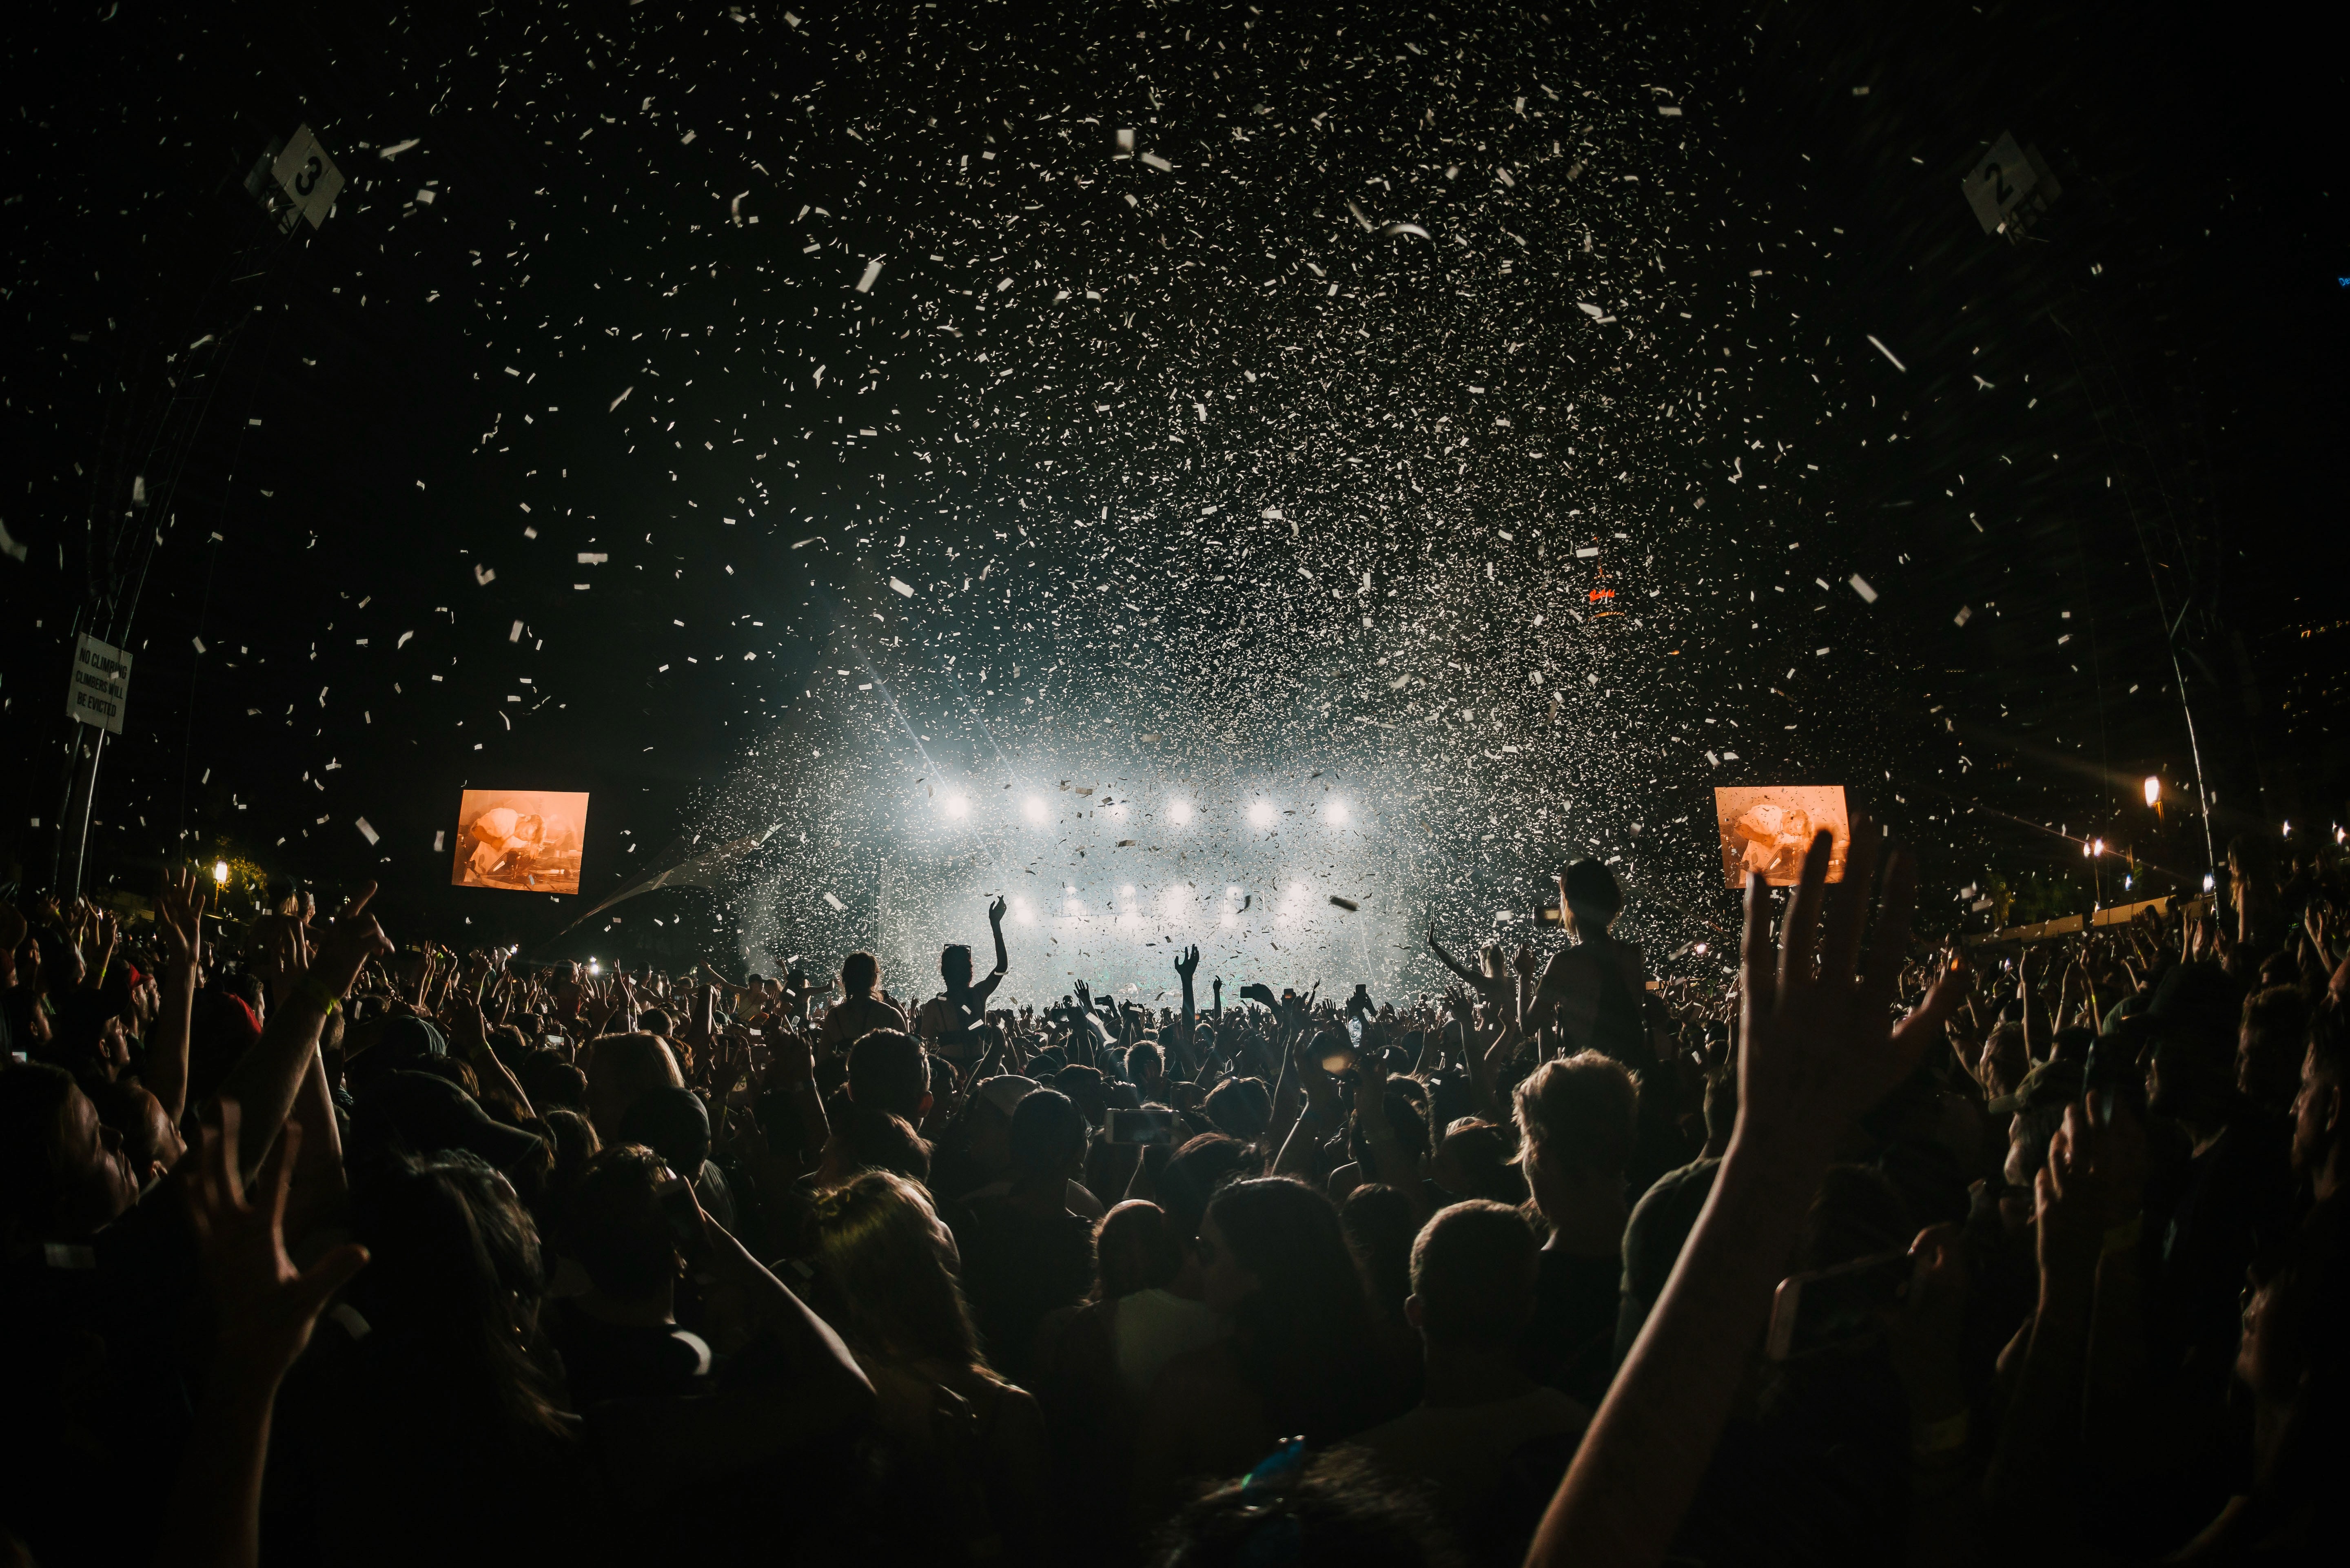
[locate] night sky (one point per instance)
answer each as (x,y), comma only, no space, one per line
(1156,459)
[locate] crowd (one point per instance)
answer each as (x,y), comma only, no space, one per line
(325,1250)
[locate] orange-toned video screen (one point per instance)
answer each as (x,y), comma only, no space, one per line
(1769,828)
(520,840)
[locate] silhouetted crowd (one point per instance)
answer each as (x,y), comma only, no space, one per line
(323,1249)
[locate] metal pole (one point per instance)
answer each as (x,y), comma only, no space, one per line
(86,785)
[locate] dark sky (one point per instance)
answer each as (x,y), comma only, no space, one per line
(1173,503)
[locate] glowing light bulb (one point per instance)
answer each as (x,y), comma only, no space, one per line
(220,871)
(1034,807)
(958,805)
(1336,813)
(1261,814)
(2153,789)
(1181,811)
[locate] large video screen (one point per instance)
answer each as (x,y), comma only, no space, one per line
(1769,827)
(520,840)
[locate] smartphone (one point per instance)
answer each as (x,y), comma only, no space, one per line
(1140,1127)
(684,1216)
(1339,1053)
(1831,1307)
(1546,910)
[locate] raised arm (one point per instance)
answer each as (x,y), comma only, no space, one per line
(179,925)
(265,1077)
(1816,1052)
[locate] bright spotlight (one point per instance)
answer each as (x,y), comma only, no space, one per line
(1181,811)
(1336,813)
(219,872)
(1034,807)
(958,805)
(1020,912)
(1127,891)
(2153,789)
(1261,814)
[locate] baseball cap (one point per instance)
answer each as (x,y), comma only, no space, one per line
(1005,1091)
(424,1112)
(2050,1084)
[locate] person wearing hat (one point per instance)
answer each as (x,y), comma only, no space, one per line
(423,1113)
(2035,1109)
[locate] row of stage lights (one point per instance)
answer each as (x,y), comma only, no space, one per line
(956,806)
(1180,909)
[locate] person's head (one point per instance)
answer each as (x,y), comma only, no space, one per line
(2270,1045)
(62,1173)
(986,1126)
(2034,1111)
(1593,897)
(451,1294)
(654,1020)
(674,1124)
(2252,867)
(1273,1257)
(1240,1107)
(885,1259)
(860,975)
(1575,1122)
(1049,1137)
(1145,1064)
(2005,1060)
(623,1069)
(1085,1089)
(2318,1106)
(550,1081)
(1474,1161)
(889,1071)
(151,1144)
(614,1225)
(954,965)
(1330,1510)
(1472,1276)
(2294,1355)
(873,1140)
(1198,1170)
(1135,1249)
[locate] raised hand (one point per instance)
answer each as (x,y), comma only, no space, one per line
(179,918)
(1816,1044)
(995,911)
(350,939)
(1188,964)
(267,1307)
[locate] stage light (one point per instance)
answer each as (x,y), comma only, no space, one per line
(1261,814)
(1020,912)
(2100,848)
(1181,811)
(1336,813)
(1127,891)
(219,872)
(1034,807)
(595,966)
(2153,790)
(958,805)
(2207,881)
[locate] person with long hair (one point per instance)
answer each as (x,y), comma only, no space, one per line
(887,1268)
(1302,1359)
